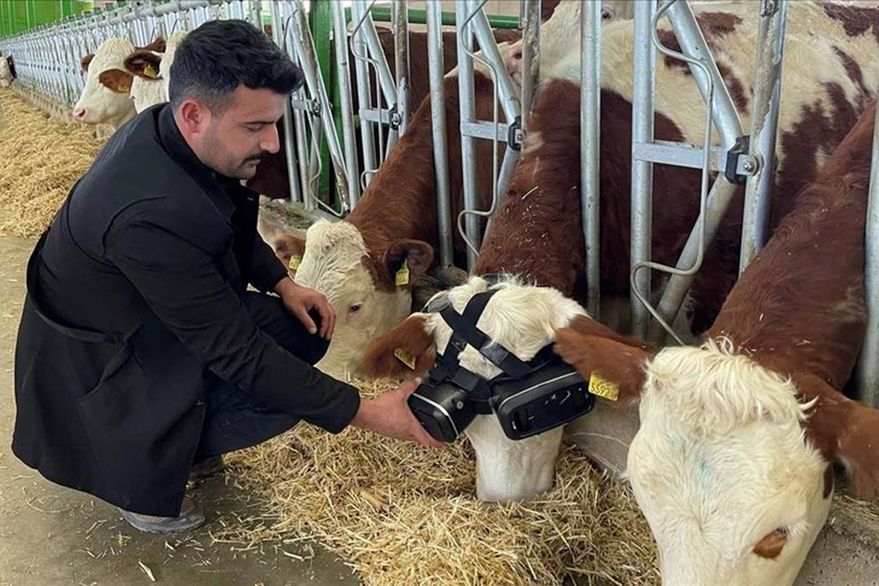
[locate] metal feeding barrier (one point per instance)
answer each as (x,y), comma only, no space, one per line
(353,108)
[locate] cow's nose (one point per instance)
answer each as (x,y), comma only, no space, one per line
(79,113)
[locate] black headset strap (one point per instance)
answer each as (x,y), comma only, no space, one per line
(465,331)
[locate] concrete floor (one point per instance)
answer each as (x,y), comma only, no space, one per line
(52,536)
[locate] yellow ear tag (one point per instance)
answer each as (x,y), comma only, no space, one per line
(405,358)
(294,262)
(402,276)
(602,387)
(150,71)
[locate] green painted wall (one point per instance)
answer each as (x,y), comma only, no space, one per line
(19,15)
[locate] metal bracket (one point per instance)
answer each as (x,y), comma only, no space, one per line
(314,107)
(396,118)
(768,7)
(515,134)
(749,166)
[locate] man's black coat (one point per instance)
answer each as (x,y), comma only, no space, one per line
(135,313)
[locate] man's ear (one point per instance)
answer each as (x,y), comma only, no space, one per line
(406,351)
(405,261)
(606,359)
(289,250)
(143,64)
(845,431)
(86,60)
(116,80)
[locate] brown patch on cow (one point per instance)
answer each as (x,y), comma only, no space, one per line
(855,20)
(410,336)
(143,63)
(86,60)
(819,129)
(735,86)
(718,24)
(668,40)
(854,73)
(286,247)
(536,232)
(116,80)
(858,450)
(591,347)
(772,544)
(828,482)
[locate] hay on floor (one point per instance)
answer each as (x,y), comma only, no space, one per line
(401,514)
(40,160)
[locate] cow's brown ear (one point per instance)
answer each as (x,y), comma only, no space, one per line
(845,431)
(86,60)
(158,45)
(143,64)
(116,80)
(289,250)
(406,351)
(613,364)
(406,261)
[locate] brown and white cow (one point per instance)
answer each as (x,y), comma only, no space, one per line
(732,463)
(356,262)
(530,242)
(824,89)
(825,86)
(105,98)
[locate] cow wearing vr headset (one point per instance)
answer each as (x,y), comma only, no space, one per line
(485,348)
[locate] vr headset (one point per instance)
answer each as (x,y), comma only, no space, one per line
(527,397)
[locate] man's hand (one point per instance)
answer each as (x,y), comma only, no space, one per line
(389,415)
(299,300)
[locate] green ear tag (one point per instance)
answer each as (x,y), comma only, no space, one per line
(402,276)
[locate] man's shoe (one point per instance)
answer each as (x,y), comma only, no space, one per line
(206,468)
(190,517)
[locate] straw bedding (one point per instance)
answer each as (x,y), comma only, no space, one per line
(403,515)
(40,159)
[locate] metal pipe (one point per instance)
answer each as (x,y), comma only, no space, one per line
(343,72)
(868,366)
(590,149)
(530,56)
(642,171)
(721,195)
(764,127)
(364,97)
(287,120)
(692,42)
(492,55)
(467,101)
(386,81)
(400,26)
(308,58)
(438,127)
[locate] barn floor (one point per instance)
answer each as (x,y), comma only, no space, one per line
(51,536)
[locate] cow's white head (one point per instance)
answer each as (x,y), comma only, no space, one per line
(730,468)
(105,98)
(523,319)
(721,469)
(370,290)
(151,71)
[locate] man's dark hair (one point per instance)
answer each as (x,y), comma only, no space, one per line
(220,55)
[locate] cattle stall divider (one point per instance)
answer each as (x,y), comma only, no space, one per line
(49,76)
